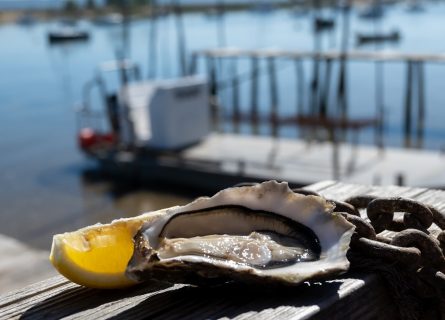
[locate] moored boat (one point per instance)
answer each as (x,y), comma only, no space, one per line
(67,34)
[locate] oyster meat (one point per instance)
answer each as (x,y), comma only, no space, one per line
(257,234)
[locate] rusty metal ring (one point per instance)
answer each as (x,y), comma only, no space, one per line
(441,239)
(341,206)
(439,281)
(381,213)
(409,257)
(438,217)
(360,202)
(305,192)
(380,216)
(362,227)
(430,250)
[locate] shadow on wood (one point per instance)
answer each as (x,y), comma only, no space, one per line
(231,301)
(76,300)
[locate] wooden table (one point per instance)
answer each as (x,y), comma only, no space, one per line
(350,296)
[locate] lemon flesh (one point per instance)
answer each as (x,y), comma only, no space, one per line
(97,256)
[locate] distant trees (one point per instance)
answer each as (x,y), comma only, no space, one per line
(90,4)
(70,6)
(129,3)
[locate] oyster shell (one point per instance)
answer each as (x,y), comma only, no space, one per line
(258,234)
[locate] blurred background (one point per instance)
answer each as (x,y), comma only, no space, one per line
(111,108)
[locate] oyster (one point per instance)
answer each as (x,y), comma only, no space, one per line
(258,234)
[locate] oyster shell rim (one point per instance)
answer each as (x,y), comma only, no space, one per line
(332,259)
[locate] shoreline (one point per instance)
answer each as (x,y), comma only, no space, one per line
(12,16)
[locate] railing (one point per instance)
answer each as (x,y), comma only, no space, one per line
(319,98)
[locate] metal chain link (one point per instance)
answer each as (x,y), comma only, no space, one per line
(412,249)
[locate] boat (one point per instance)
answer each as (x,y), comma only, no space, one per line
(363,38)
(321,24)
(154,115)
(67,34)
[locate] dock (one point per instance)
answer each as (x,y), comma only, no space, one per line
(223,159)
(21,265)
(348,296)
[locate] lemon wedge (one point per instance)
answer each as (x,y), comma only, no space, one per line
(96,256)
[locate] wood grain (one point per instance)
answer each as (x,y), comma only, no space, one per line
(351,296)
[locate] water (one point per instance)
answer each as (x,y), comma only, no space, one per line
(48,187)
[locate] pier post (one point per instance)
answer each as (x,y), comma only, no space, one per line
(273,96)
(193,64)
(300,90)
(235,96)
(421,104)
(408,104)
(379,94)
(213,92)
(325,93)
(254,96)
(180,31)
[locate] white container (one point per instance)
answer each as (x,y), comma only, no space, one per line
(165,114)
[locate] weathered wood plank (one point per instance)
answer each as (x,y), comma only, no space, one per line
(351,296)
(358,55)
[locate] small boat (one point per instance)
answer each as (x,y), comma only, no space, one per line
(321,24)
(67,34)
(393,36)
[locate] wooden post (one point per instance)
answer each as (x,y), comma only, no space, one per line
(180,31)
(379,93)
(300,81)
(193,64)
(421,104)
(254,96)
(273,96)
(325,93)
(235,96)
(342,99)
(408,104)
(300,90)
(213,92)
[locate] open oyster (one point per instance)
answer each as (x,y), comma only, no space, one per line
(262,234)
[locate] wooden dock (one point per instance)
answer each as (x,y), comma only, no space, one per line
(222,160)
(355,55)
(21,265)
(349,296)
